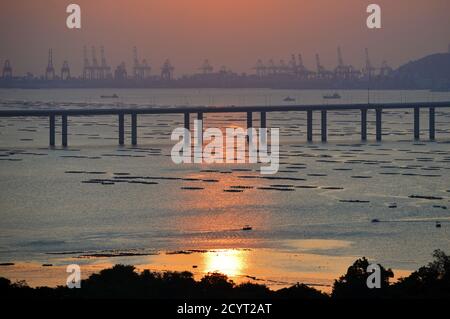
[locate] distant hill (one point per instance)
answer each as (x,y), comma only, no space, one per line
(432,71)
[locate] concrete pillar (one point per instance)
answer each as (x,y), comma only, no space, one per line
(416,123)
(309,123)
(200,131)
(133,129)
(200,118)
(187,121)
(263,120)
(249,125)
(64,130)
(364,124)
(52,129)
(432,125)
(121,129)
(378,113)
(324,126)
(249,120)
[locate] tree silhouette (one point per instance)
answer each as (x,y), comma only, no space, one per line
(216,285)
(431,281)
(300,291)
(354,283)
(121,281)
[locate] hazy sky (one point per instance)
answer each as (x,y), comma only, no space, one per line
(228,32)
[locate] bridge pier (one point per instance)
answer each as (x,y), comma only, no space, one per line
(52,130)
(364,125)
(432,126)
(64,130)
(378,113)
(324,126)
(309,124)
(200,118)
(249,120)
(249,125)
(187,122)
(416,123)
(200,129)
(133,129)
(263,120)
(121,129)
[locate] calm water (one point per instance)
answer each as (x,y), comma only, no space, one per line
(322,204)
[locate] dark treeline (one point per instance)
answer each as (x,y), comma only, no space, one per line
(431,281)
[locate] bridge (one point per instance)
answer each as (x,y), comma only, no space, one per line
(249,110)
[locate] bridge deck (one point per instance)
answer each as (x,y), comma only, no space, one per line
(221,109)
(187,110)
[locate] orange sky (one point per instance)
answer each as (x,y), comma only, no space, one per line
(228,32)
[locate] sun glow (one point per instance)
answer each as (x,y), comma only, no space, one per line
(229,262)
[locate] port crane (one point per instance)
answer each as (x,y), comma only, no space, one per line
(65,71)
(206,67)
(167,70)
(322,73)
(50,70)
(105,69)
(7,72)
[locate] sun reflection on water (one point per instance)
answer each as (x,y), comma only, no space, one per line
(230,262)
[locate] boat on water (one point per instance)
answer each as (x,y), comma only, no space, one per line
(288,99)
(335,95)
(114,96)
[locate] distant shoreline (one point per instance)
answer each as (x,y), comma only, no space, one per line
(180,84)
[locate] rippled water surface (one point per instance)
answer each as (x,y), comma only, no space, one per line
(97,198)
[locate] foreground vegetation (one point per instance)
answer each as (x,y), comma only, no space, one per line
(431,281)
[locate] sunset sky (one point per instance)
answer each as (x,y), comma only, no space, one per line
(234,33)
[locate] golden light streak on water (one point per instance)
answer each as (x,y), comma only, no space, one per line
(228,262)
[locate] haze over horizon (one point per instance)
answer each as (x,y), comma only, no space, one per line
(230,33)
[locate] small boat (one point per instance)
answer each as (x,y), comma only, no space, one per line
(114,96)
(393,205)
(335,95)
(288,99)
(438,224)
(247,227)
